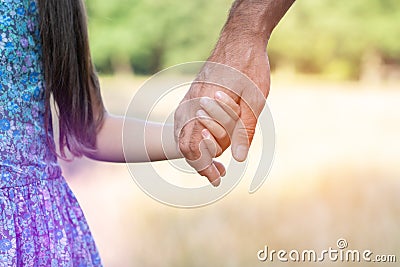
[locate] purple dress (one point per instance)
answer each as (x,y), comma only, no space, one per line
(41,223)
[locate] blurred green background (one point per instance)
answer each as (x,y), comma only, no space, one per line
(334,38)
(335,103)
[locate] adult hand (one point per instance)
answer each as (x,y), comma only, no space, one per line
(246,80)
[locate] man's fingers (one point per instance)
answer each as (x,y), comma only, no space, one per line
(251,103)
(243,134)
(240,142)
(221,168)
(204,163)
(195,148)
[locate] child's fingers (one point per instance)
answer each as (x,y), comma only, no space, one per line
(215,170)
(205,165)
(211,144)
(216,112)
(215,128)
(228,104)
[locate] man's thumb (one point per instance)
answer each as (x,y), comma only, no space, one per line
(244,131)
(241,139)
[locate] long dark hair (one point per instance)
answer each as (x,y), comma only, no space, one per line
(70,75)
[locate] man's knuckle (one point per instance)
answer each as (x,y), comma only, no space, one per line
(250,133)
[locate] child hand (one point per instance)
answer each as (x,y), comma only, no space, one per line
(219,117)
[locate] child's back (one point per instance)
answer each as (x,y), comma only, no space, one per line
(41,223)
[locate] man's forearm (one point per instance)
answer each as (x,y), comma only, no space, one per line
(254,20)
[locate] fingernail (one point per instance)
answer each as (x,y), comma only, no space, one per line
(241,153)
(223,174)
(200,113)
(218,95)
(205,133)
(216,182)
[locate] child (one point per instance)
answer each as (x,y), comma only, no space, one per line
(44,51)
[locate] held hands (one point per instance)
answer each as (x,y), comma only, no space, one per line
(219,117)
(248,80)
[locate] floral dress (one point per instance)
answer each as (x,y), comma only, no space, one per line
(41,223)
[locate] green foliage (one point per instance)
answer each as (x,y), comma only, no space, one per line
(322,36)
(315,36)
(152,34)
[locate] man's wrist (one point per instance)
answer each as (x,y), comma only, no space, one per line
(252,21)
(248,21)
(238,51)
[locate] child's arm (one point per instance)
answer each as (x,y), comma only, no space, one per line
(143,144)
(158,142)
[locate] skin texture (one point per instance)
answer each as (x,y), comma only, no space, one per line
(242,46)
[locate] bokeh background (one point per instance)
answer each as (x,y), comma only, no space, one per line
(335,101)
